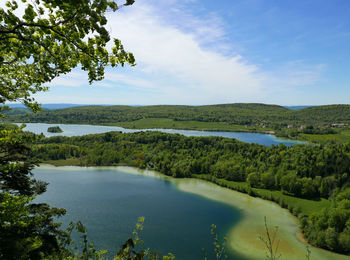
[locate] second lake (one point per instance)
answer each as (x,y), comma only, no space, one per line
(76,130)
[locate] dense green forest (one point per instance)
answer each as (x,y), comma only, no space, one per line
(42,40)
(250,115)
(301,171)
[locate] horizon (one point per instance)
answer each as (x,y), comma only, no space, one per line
(13,104)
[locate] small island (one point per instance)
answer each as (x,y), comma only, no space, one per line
(55,129)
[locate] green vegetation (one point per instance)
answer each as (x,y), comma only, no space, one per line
(56,36)
(315,124)
(27,229)
(38,43)
(220,249)
(342,136)
(55,129)
(250,115)
(42,44)
(151,123)
(299,205)
(305,179)
(236,114)
(330,227)
(17,111)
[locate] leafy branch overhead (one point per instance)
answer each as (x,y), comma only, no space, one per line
(51,38)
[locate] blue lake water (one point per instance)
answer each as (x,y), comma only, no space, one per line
(75,130)
(109,201)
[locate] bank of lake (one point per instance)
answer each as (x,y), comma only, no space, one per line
(77,130)
(243,232)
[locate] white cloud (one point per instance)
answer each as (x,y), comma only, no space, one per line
(299,75)
(72,79)
(181,59)
(163,50)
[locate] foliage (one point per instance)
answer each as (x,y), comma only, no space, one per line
(220,249)
(51,38)
(54,129)
(88,250)
(27,229)
(300,170)
(330,228)
(231,117)
(313,173)
(132,249)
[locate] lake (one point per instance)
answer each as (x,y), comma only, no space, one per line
(109,202)
(178,212)
(76,130)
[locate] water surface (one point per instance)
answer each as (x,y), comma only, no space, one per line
(109,201)
(178,212)
(76,130)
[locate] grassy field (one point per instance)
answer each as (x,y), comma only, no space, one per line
(187,125)
(305,206)
(342,137)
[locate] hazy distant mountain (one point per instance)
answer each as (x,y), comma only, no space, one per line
(52,106)
(296,107)
(61,106)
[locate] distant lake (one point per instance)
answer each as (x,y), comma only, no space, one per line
(109,201)
(76,130)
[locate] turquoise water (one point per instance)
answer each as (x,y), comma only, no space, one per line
(74,130)
(109,201)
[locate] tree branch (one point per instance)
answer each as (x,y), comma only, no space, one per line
(25,24)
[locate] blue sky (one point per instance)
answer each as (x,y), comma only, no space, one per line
(208,52)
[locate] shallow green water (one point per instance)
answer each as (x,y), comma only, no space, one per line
(178,212)
(109,201)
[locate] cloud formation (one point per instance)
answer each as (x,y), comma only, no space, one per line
(182,58)
(165,51)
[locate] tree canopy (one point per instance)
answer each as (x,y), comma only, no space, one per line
(40,40)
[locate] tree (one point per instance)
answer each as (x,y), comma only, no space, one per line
(49,39)
(27,229)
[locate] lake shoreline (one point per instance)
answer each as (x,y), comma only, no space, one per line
(264,138)
(170,128)
(246,228)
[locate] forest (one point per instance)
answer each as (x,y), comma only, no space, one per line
(300,171)
(243,114)
(43,40)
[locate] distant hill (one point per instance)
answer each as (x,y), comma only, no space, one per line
(246,114)
(327,114)
(17,111)
(296,107)
(48,106)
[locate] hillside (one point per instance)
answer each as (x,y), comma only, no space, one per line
(326,114)
(251,115)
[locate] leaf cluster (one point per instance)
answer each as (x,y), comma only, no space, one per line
(51,38)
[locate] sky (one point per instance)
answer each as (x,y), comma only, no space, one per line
(198,52)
